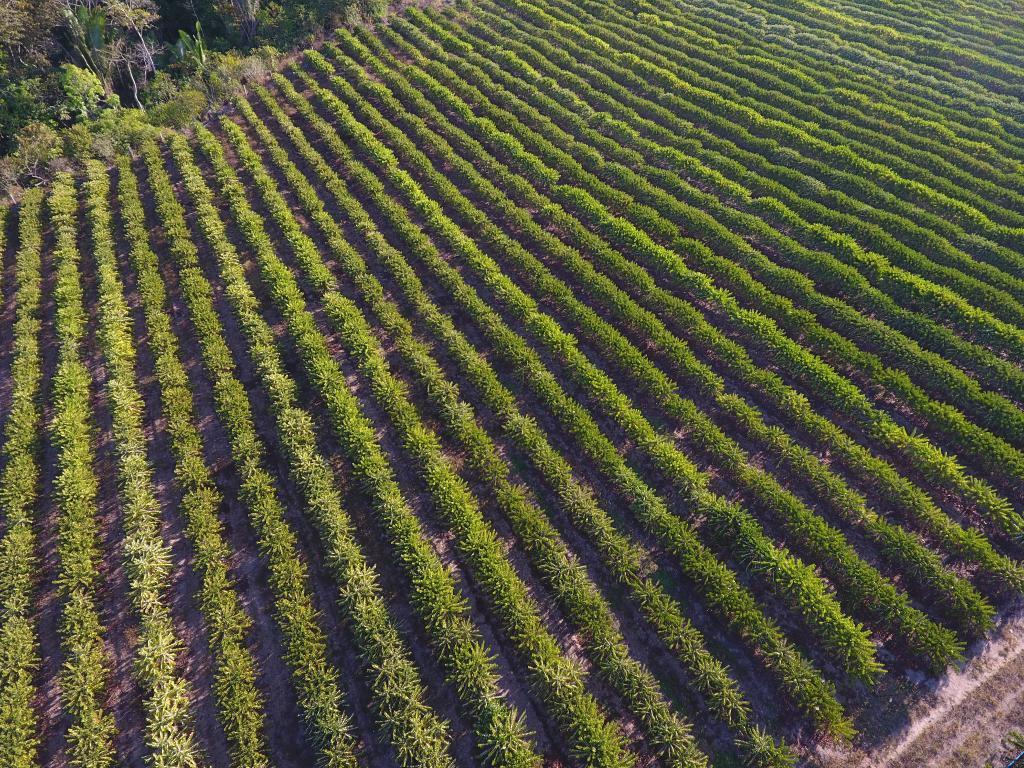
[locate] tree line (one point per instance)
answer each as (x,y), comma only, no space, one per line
(77,75)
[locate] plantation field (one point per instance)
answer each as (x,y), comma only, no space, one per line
(534,382)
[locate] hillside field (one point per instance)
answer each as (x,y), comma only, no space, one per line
(534,382)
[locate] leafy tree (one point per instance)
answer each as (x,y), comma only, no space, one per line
(108,37)
(246,15)
(19,106)
(26,38)
(82,93)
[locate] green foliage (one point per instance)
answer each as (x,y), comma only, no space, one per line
(736,605)
(435,594)
(147,558)
(37,145)
(20,105)
(88,32)
(82,91)
(650,328)
(86,671)
(646,376)
(182,110)
(420,737)
(316,681)
(227,74)
(190,50)
(239,702)
(662,312)
(931,463)
(291,23)
(19,493)
(66,63)
(578,595)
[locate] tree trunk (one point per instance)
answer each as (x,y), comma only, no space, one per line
(135,86)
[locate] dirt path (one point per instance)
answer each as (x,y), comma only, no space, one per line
(960,720)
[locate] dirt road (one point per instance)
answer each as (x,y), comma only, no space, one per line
(960,721)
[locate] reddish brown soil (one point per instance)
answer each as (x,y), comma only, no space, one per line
(185,580)
(958,720)
(53,720)
(409,479)
(433,676)
(567,637)
(321,584)
(286,738)
(774,608)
